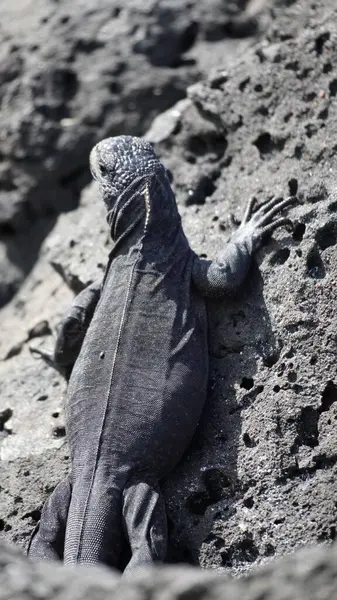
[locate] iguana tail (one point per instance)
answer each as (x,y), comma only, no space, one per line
(94,529)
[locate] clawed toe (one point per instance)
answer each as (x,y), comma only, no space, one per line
(284,221)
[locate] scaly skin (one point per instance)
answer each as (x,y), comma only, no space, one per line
(136,347)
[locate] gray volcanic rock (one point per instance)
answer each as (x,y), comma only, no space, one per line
(72,74)
(306,575)
(260,477)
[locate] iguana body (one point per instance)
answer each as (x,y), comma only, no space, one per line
(138,343)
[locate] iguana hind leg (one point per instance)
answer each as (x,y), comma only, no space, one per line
(47,541)
(145,524)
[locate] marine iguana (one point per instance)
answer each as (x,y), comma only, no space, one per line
(136,347)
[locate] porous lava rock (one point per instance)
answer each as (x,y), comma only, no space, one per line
(310,574)
(259,479)
(72,73)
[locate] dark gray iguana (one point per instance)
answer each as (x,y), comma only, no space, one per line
(136,346)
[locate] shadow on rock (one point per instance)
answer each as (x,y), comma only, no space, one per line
(202,492)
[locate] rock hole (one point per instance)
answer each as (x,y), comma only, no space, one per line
(323,114)
(309,96)
(307,427)
(59,431)
(333,87)
(313,359)
(189,36)
(114,87)
(297,388)
(329,396)
(2,524)
(279,520)
(310,130)
(248,550)
(243,84)
(5,415)
(298,232)
(271,360)
(298,152)
(34,514)
(315,266)
(249,502)
(55,414)
(291,353)
(243,550)
(276,389)
(263,110)
(327,68)
(292,376)
(64,19)
(332,207)
(247,383)
(207,144)
(65,83)
(292,65)
(87,46)
(266,144)
(6,229)
(293,186)
(326,236)
(248,441)
(258,87)
(116,11)
(42,398)
(320,41)
(203,189)
(280,257)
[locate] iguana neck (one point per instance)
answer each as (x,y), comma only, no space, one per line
(145,210)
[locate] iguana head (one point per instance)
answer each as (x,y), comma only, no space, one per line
(134,185)
(117,162)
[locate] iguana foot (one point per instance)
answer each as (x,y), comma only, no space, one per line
(145,523)
(257,224)
(47,540)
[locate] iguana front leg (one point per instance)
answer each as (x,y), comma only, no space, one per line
(72,331)
(74,327)
(225,273)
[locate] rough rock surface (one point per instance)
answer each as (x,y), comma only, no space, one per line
(260,477)
(307,575)
(72,74)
